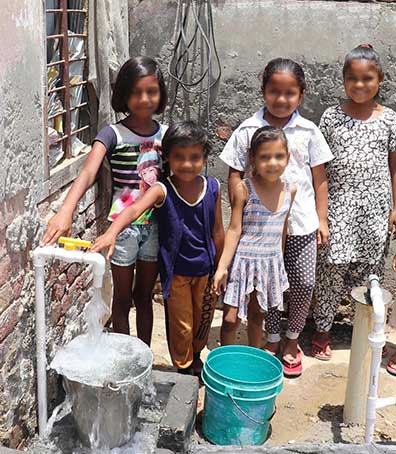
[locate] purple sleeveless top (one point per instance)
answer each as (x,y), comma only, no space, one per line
(185,233)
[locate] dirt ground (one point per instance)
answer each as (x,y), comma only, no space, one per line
(309,408)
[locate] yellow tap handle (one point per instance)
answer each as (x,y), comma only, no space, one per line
(71,243)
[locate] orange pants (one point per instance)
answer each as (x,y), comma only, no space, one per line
(189,312)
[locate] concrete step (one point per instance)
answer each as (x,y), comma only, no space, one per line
(306,448)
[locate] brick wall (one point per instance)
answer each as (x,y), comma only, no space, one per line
(67,292)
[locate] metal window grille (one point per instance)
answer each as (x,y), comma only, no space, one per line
(68,104)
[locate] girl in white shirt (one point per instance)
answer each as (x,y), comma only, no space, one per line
(283,87)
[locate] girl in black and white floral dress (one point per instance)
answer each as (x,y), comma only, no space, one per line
(362,136)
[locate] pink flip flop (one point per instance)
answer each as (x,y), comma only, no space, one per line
(322,355)
(294,369)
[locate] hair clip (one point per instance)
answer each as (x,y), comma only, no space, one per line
(366,45)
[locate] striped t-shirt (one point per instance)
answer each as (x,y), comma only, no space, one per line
(135,163)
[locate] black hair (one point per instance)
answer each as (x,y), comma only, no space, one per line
(363,52)
(185,134)
(284,65)
(264,135)
(130,72)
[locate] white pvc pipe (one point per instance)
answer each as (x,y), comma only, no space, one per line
(377,341)
(40,256)
(40,345)
(92,258)
(383,402)
(378,304)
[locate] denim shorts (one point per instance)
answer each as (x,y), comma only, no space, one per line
(136,242)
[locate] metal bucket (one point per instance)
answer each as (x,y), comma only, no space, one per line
(106,416)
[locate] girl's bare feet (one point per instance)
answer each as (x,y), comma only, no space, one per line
(197,366)
(291,359)
(272,347)
(291,351)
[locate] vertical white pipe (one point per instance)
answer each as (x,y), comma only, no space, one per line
(371,407)
(40,256)
(41,356)
(376,340)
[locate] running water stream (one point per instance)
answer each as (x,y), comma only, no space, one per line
(94,314)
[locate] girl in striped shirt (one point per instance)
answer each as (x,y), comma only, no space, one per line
(132,148)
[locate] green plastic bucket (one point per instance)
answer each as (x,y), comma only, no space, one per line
(241,386)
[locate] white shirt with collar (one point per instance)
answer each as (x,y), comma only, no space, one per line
(308,148)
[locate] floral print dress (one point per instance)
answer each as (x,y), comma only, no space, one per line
(359,207)
(359,185)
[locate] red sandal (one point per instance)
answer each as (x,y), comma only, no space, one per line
(391,366)
(322,346)
(294,369)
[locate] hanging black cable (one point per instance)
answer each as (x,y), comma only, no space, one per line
(195,65)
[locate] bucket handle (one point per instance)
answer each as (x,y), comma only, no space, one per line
(248,416)
(113,388)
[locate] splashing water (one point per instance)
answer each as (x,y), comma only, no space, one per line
(59,412)
(141,443)
(112,359)
(99,358)
(150,394)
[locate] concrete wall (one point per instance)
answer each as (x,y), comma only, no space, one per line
(249,33)
(22,155)
(22,147)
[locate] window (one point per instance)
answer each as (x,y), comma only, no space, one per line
(68,106)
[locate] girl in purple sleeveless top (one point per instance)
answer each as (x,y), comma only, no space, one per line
(191,236)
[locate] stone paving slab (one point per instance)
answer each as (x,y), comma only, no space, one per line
(291,449)
(306,448)
(178,421)
(13,451)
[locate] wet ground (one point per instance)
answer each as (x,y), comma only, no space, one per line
(309,408)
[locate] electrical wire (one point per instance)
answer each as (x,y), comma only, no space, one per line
(195,59)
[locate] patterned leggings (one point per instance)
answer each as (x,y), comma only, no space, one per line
(335,282)
(300,263)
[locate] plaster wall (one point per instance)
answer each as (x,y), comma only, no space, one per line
(23,214)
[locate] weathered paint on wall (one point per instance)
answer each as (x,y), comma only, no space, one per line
(249,33)
(22,151)
(22,144)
